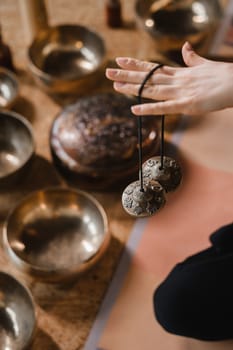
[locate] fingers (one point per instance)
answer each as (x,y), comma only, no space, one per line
(160,108)
(164,86)
(134,64)
(125,76)
(174,89)
(156,92)
(190,57)
(134,71)
(136,77)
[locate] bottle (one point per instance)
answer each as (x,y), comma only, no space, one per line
(5,54)
(113,13)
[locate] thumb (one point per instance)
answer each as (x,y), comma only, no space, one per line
(190,57)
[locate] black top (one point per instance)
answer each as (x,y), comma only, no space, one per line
(196,298)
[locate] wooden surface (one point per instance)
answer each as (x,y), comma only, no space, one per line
(66,312)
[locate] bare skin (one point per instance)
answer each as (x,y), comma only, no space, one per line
(203,86)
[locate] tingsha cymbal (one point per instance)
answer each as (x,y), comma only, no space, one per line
(140,202)
(168,174)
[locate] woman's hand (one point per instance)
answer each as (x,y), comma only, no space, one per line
(203,86)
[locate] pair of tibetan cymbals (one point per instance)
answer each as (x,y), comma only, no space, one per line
(160,176)
(157,176)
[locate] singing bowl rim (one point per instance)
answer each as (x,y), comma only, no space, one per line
(11,76)
(28,127)
(30,302)
(56,274)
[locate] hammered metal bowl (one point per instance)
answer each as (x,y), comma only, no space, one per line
(17,147)
(56,234)
(94,142)
(172,22)
(17,314)
(67,59)
(9,88)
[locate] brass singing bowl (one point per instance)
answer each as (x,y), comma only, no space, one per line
(17,314)
(172,22)
(9,88)
(56,234)
(67,58)
(17,147)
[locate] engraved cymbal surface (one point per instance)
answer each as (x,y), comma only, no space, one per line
(144,203)
(169,176)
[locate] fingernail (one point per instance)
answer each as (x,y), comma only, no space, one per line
(136,109)
(111,72)
(188,46)
(122,60)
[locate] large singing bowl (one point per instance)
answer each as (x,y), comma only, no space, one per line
(56,234)
(172,22)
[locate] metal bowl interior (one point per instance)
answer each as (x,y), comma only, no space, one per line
(172,23)
(56,233)
(17,314)
(9,88)
(16,143)
(65,53)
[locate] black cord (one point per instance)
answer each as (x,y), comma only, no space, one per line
(162,142)
(151,72)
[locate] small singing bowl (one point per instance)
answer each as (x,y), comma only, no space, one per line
(17,147)
(17,314)
(56,234)
(67,59)
(9,88)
